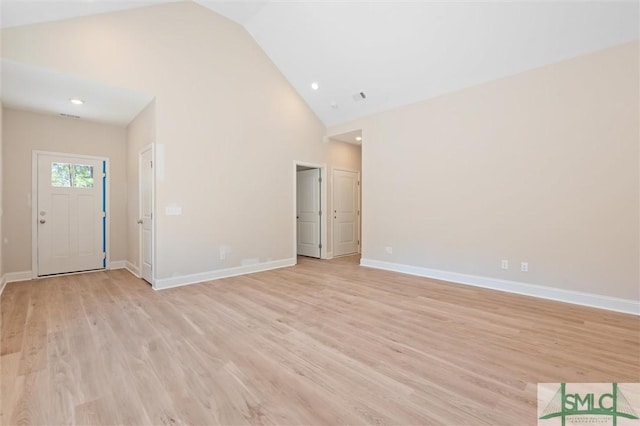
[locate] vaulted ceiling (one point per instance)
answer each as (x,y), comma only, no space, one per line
(394,52)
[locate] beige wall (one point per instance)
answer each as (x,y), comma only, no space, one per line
(24,132)
(228,124)
(141,133)
(540,167)
(345,155)
(1,193)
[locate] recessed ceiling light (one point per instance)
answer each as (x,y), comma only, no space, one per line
(358,138)
(76,101)
(315,85)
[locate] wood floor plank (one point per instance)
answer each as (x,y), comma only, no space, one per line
(64,377)
(14,309)
(324,342)
(34,345)
(9,374)
(102,411)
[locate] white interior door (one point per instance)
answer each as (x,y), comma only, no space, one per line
(346,212)
(308,212)
(146,215)
(71,214)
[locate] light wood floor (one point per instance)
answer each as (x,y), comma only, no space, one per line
(325,342)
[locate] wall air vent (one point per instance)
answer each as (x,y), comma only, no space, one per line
(62,114)
(359,96)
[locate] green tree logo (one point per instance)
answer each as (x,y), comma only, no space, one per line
(565,404)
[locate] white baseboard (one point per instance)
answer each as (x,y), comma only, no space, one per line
(13,277)
(133,269)
(118,264)
(626,306)
(328,255)
(179,281)
(125,264)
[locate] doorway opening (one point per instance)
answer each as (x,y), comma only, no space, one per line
(346,212)
(145,213)
(346,194)
(70,213)
(309,204)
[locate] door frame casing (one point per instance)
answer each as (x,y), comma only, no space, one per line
(323,207)
(34,206)
(359,216)
(153,212)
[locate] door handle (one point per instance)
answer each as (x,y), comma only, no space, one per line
(42,221)
(139,221)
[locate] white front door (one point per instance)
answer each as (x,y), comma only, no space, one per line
(308,212)
(71,214)
(146,215)
(346,212)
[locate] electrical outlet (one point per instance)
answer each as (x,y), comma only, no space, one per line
(504,264)
(173,210)
(524,266)
(389,249)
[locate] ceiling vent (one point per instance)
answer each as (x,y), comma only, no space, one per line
(69,115)
(359,96)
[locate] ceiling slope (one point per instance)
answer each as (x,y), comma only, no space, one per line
(395,52)
(23,12)
(36,89)
(402,52)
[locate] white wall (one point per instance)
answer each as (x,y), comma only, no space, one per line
(539,167)
(227,124)
(24,132)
